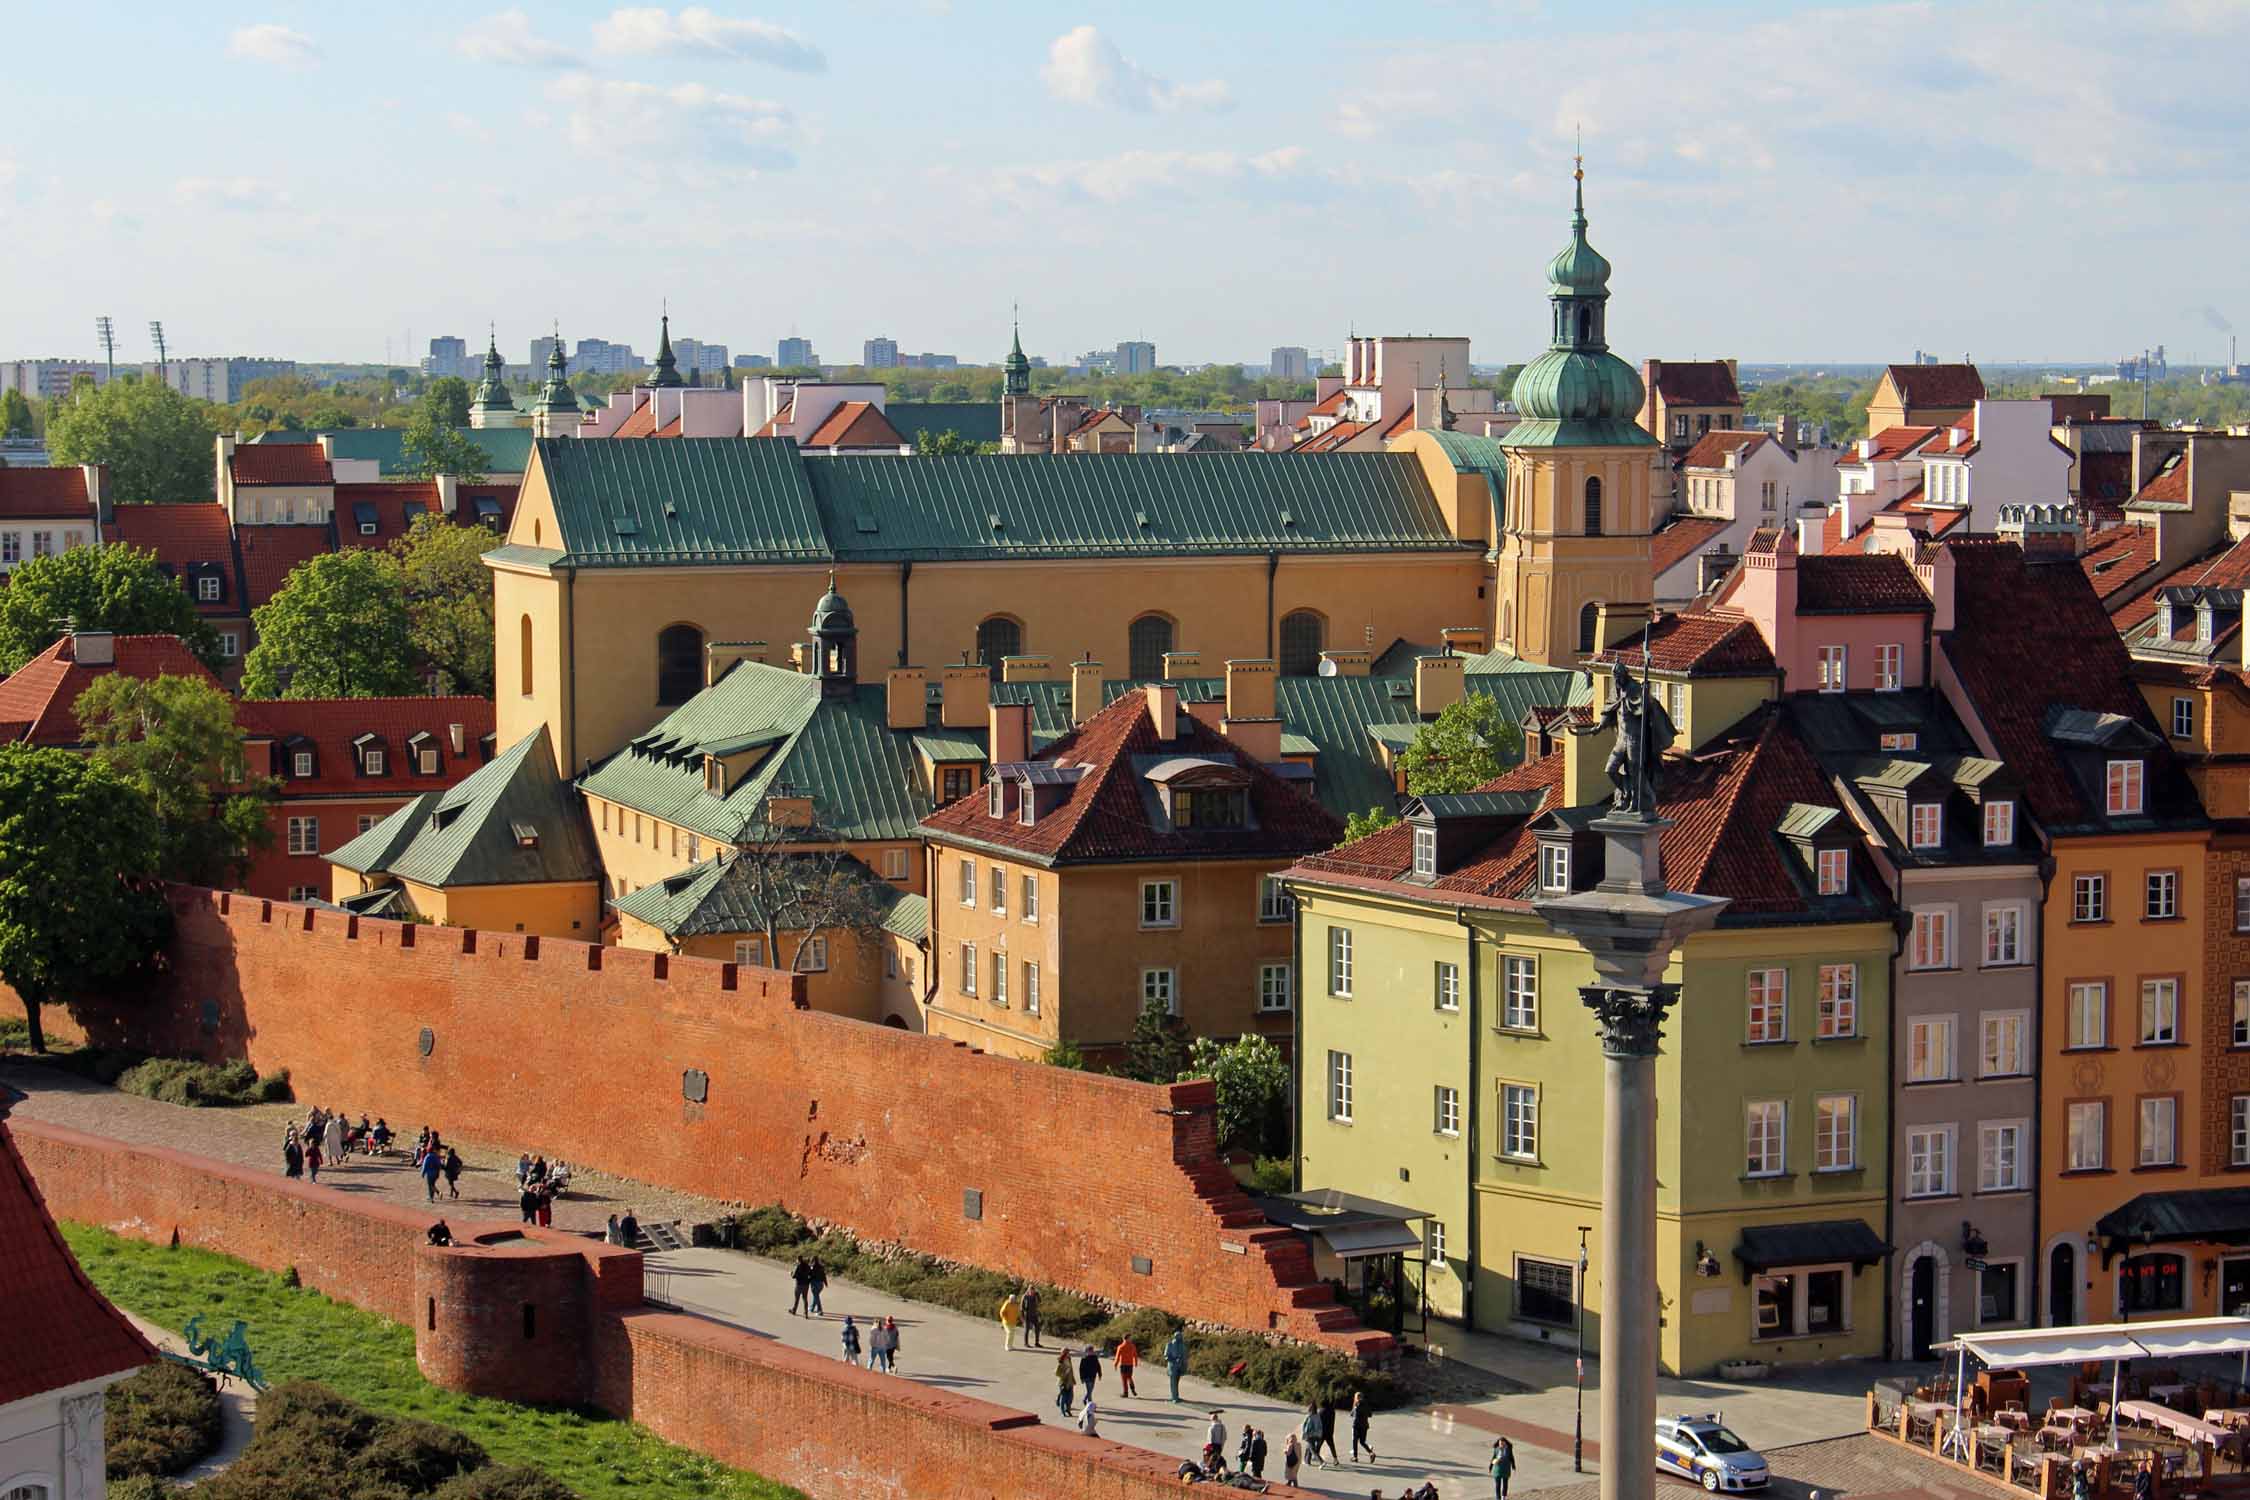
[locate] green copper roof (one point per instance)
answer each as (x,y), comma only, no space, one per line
(492,390)
(556,396)
(977,421)
(736,500)
(1016,369)
(1578,269)
(1578,394)
(472,832)
(831,615)
(509,448)
(720,896)
(667,365)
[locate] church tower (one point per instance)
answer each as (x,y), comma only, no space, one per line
(1575,537)
(667,366)
(556,413)
(836,641)
(1016,403)
(492,406)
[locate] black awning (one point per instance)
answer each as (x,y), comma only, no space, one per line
(1826,1242)
(2217,1215)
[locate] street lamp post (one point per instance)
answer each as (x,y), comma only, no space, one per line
(1578,1399)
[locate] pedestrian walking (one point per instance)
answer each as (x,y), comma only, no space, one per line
(523,1165)
(1242,1448)
(816,1283)
(1258,1453)
(332,1141)
(1128,1357)
(1328,1429)
(1011,1313)
(1175,1360)
(1215,1447)
(1291,1456)
(1030,1305)
(292,1154)
(609,1235)
(1309,1429)
(452,1172)
(851,1342)
(1090,1368)
(800,1276)
(528,1203)
(1086,1419)
(629,1229)
(431,1167)
(1503,1467)
(1360,1415)
(1066,1383)
(882,1341)
(312,1156)
(890,1345)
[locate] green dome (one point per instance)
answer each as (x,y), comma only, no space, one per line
(1578,269)
(1575,385)
(832,616)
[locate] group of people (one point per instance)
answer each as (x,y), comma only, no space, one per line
(326,1138)
(810,1278)
(1086,1371)
(538,1185)
(624,1229)
(882,1343)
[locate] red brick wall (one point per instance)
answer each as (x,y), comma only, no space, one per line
(584,1049)
(803,1419)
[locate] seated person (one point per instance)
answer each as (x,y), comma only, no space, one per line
(440,1234)
(382,1134)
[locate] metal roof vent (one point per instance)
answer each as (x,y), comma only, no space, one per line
(866,524)
(671,511)
(1140,519)
(626,525)
(992,518)
(1288,519)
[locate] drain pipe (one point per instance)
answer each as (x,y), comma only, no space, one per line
(905,616)
(1273,566)
(1473,1113)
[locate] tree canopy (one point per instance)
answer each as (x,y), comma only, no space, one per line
(950,444)
(1359,825)
(339,628)
(17,419)
(80,850)
(1465,746)
(1157,1051)
(449,601)
(432,447)
(1252,1079)
(99,588)
(158,443)
(446,399)
(175,741)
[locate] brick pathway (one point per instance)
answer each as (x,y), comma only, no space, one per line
(1862,1467)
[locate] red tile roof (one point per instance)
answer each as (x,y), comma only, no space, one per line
(1403,422)
(788,412)
(1501,871)
(2117,561)
(60,1331)
(1891,443)
(282,463)
(1938,385)
(1107,814)
(1878,584)
(640,423)
(1711,450)
(40,700)
(1710,643)
(2228,568)
(386,505)
(184,537)
(1334,438)
(2170,482)
(332,724)
(1832,530)
(35,494)
(1697,382)
(269,553)
(670,429)
(1680,540)
(861,424)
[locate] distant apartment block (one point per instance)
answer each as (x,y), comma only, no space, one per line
(752,362)
(605,358)
(694,357)
(1290,362)
(540,349)
(929,362)
(1135,357)
(879,354)
(48,378)
(791,352)
(451,356)
(220,379)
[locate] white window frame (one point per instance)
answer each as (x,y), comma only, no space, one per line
(2238,1113)
(1835,668)
(2089,896)
(2123,790)
(999,995)
(2160,895)
(1161,983)
(2183,718)
(1273,988)
(304,835)
(1340,962)
(1160,905)
(368,820)
(2086,1150)
(995,798)
(1766,1006)
(1030,912)
(1519,992)
(2000,823)
(1519,1121)
(812,955)
(207,589)
(301,763)
(1931,1161)
(2239,1035)
(1933,938)
(969,969)
(2160,1012)
(2151,1148)
(374,761)
(1446,1106)
(1890,658)
(230,645)
(1340,1087)
(1898,739)
(968,891)
(1940,1065)
(1425,851)
(1275,904)
(1554,868)
(1835,1151)
(1834,867)
(1991,1158)
(894,864)
(1765,1137)
(1838,1017)
(2004,923)
(999,890)
(750,952)
(1926,825)
(301,893)
(2086,999)
(1448,985)
(2004,1044)
(1031,987)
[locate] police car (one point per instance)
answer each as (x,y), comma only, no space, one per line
(1704,1450)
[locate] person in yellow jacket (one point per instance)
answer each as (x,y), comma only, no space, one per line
(1011,1313)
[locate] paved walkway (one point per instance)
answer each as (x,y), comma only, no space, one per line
(238,1408)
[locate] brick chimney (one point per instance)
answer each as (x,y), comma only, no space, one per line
(1164,709)
(1768,592)
(1038,667)
(1439,682)
(1250,688)
(1085,690)
(1179,665)
(964,693)
(906,698)
(1349,662)
(1008,738)
(93,648)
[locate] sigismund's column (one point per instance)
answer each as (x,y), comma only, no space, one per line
(1631,925)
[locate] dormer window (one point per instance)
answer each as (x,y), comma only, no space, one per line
(301,763)
(1835,870)
(995,800)
(371,761)
(1027,811)
(2124,788)
(207,588)
(1902,740)
(1425,851)
(1210,807)
(1999,825)
(1926,825)
(1554,868)
(426,759)
(714,776)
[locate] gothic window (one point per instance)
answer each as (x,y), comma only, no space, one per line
(679,663)
(1589,620)
(1593,507)
(1149,637)
(1303,634)
(997,639)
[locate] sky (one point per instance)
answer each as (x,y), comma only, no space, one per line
(1776,181)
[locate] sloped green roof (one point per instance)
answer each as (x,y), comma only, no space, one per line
(978,421)
(684,500)
(719,896)
(467,834)
(1483,455)
(509,448)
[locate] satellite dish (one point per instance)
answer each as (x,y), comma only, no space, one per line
(1327,667)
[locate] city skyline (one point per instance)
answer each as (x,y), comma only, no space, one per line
(1933,182)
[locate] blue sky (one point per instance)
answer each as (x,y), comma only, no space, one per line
(1773,181)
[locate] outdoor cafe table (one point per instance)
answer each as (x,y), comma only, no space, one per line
(2180,1424)
(2228,1416)
(2168,1392)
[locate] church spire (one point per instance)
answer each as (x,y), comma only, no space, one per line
(667,367)
(491,395)
(1577,393)
(1016,371)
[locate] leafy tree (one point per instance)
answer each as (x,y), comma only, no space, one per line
(433,448)
(446,399)
(798,879)
(99,588)
(1158,1049)
(339,628)
(1462,748)
(17,420)
(1253,1084)
(1838,402)
(157,442)
(1359,825)
(950,444)
(449,601)
(79,904)
(175,741)
(1064,1054)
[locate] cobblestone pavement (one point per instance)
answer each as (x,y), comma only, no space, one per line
(1861,1467)
(251,1137)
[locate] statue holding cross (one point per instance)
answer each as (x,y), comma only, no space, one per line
(1644,732)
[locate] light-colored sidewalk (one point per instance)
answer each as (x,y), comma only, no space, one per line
(238,1408)
(942,1348)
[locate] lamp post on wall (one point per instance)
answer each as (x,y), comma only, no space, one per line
(1578,1400)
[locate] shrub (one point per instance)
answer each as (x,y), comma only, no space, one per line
(770,1231)
(415,1456)
(1147,1327)
(161,1420)
(501,1482)
(140,1487)
(181,1080)
(15,1034)
(1270,1175)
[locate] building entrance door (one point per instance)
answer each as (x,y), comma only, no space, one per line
(1922,1322)
(2062,1287)
(2234,1286)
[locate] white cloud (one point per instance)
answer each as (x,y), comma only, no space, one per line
(267,42)
(671,125)
(649,30)
(506,37)
(1127,174)
(1085,67)
(235,194)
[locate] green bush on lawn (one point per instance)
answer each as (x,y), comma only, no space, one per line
(367,1362)
(1288,1372)
(160,1420)
(174,1080)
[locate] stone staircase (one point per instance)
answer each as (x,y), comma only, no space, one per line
(661,1237)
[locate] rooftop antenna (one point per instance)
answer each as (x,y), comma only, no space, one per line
(156,335)
(106,333)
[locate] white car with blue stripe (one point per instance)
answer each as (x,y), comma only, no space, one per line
(1704,1450)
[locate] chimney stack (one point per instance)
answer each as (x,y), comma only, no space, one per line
(1439,682)
(1164,710)
(718,656)
(93,648)
(964,693)
(1085,690)
(1008,737)
(1250,688)
(1180,665)
(906,698)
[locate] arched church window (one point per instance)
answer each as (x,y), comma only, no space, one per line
(1303,634)
(997,639)
(679,663)
(1589,621)
(1147,639)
